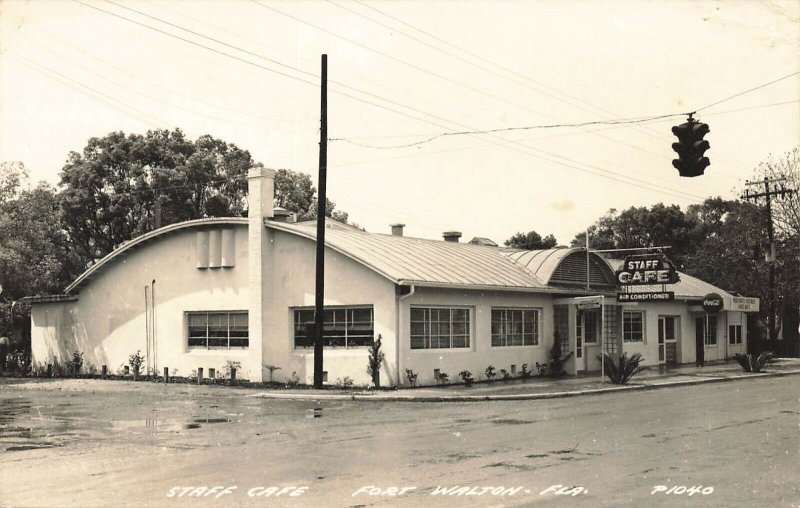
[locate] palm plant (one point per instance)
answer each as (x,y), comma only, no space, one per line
(753,363)
(620,372)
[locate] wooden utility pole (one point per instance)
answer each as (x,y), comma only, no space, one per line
(771,253)
(321,205)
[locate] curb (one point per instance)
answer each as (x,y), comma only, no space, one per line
(520,396)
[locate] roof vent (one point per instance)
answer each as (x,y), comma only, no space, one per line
(451,236)
(478,240)
(397,229)
(283,215)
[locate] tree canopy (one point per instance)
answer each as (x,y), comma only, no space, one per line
(531,241)
(121,186)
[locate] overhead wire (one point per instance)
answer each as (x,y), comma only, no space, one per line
(509,70)
(625,180)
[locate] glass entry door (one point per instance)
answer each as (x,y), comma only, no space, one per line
(667,340)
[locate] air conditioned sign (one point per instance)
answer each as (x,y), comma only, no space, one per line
(646,269)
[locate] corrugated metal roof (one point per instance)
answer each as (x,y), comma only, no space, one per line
(544,263)
(409,260)
(688,287)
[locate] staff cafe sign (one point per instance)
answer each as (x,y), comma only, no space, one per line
(646,269)
(642,270)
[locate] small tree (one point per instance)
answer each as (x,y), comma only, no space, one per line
(76,363)
(135,362)
(271,368)
(490,373)
(375,359)
(466,376)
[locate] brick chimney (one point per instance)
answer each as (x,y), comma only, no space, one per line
(451,236)
(397,229)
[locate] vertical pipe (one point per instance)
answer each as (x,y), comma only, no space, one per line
(147,325)
(153,328)
(588,277)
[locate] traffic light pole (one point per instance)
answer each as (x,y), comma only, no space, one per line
(767,194)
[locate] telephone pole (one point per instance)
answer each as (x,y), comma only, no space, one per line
(769,192)
(322,201)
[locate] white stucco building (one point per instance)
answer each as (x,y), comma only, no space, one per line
(201,293)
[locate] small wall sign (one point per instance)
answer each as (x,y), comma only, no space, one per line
(712,303)
(650,296)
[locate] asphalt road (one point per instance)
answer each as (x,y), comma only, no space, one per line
(126,444)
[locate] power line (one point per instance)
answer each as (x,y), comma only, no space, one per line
(509,70)
(626,179)
(386,55)
(73,83)
(279,72)
(509,129)
(748,91)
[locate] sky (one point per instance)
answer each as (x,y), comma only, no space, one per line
(402,72)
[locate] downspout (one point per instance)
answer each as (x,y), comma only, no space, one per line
(399,338)
(153,328)
(147,325)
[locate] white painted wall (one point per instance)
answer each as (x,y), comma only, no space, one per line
(347,282)
(480,354)
(107,323)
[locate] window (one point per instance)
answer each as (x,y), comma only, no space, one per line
(515,327)
(632,326)
(218,330)
(439,328)
(345,327)
(735,334)
(710,336)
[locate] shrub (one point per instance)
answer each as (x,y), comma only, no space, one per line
(443,378)
(622,371)
(135,362)
(345,382)
(753,363)
(412,377)
(543,369)
(490,373)
(524,373)
(76,363)
(230,366)
(505,375)
(375,359)
(19,362)
(294,380)
(466,376)
(557,358)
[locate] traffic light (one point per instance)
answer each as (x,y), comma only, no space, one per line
(690,147)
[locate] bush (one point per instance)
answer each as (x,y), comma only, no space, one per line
(345,382)
(505,375)
(490,373)
(135,362)
(621,372)
(412,377)
(557,358)
(76,363)
(375,359)
(293,381)
(466,376)
(753,363)
(443,378)
(524,373)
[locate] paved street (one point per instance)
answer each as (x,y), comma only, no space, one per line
(134,444)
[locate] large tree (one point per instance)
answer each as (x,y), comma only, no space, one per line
(35,256)
(531,241)
(121,186)
(658,226)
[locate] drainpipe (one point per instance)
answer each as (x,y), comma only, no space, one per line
(153,328)
(399,337)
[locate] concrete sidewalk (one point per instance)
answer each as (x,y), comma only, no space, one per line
(547,388)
